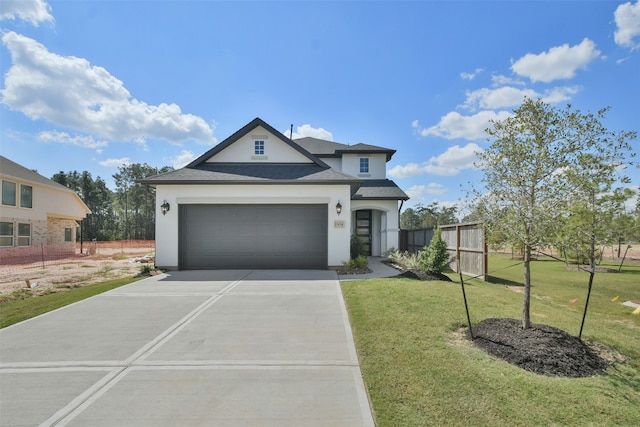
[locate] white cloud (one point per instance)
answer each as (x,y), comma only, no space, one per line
(308,131)
(435,188)
(418,193)
(181,160)
(84,141)
(449,163)
(560,94)
(627,17)
(406,171)
(454,125)
(508,96)
(560,62)
(500,80)
(116,163)
(492,99)
(70,92)
(33,11)
(471,76)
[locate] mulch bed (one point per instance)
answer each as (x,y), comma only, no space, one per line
(416,274)
(421,275)
(541,349)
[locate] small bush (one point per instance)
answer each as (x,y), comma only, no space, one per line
(145,269)
(434,258)
(404,259)
(357,247)
(357,263)
(361,261)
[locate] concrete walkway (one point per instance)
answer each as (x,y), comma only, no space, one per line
(378,270)
(215,348)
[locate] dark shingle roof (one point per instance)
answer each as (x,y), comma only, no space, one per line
(380,189)
(12,169)
(232,173)
(323,148)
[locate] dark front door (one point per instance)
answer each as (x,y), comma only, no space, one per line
(363,228)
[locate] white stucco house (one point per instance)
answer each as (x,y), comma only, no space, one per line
(261,200)
(36,211)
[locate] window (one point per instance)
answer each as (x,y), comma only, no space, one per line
(24,234)
(259,148)
(26,196)
(6,233)
(8,193)
(364,165)
(67,235)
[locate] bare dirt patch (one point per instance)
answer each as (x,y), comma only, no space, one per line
(72,272)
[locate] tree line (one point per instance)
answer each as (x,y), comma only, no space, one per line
(128,213)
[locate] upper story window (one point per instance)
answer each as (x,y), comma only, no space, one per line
(364,165)
(259,148)
(26,196)
(8,193)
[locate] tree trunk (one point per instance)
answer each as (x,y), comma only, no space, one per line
(526,318)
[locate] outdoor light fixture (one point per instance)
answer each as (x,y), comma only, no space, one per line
(338,208)
(165,207)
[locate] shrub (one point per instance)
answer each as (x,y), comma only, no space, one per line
(434,258)
(404,259)
(358,262)
(357,247)
(145,269)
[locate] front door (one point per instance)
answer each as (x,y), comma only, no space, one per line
(363,228)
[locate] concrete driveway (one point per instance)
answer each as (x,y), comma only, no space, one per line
(205,348)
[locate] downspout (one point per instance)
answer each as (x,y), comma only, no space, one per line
(399,209)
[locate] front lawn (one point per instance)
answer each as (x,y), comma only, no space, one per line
(420,369)
(14,310)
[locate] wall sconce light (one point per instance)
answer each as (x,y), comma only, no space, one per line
(165,207)
(338,208)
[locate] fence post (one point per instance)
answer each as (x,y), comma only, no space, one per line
(42,254)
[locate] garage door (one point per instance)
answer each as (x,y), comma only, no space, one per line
(252,236)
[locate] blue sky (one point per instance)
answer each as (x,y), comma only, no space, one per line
(91,85)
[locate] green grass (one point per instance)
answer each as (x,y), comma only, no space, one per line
(419,372)
(14,310)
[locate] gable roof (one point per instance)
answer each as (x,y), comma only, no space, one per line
(244,131)
(323,148)
(14,170)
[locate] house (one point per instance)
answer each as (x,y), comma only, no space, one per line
(261,200)
(36,211)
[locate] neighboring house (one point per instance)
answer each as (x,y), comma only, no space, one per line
(261,200)
(36,211)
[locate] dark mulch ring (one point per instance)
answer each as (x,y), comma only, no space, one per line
(541,349)
(416,274)
(421,275)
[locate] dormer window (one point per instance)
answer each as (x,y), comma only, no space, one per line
(364,165)
(259,148)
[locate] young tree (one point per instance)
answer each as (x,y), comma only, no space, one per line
(434,258)
(526,180)
(595,201)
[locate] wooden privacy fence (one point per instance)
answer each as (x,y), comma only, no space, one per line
(465,242)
